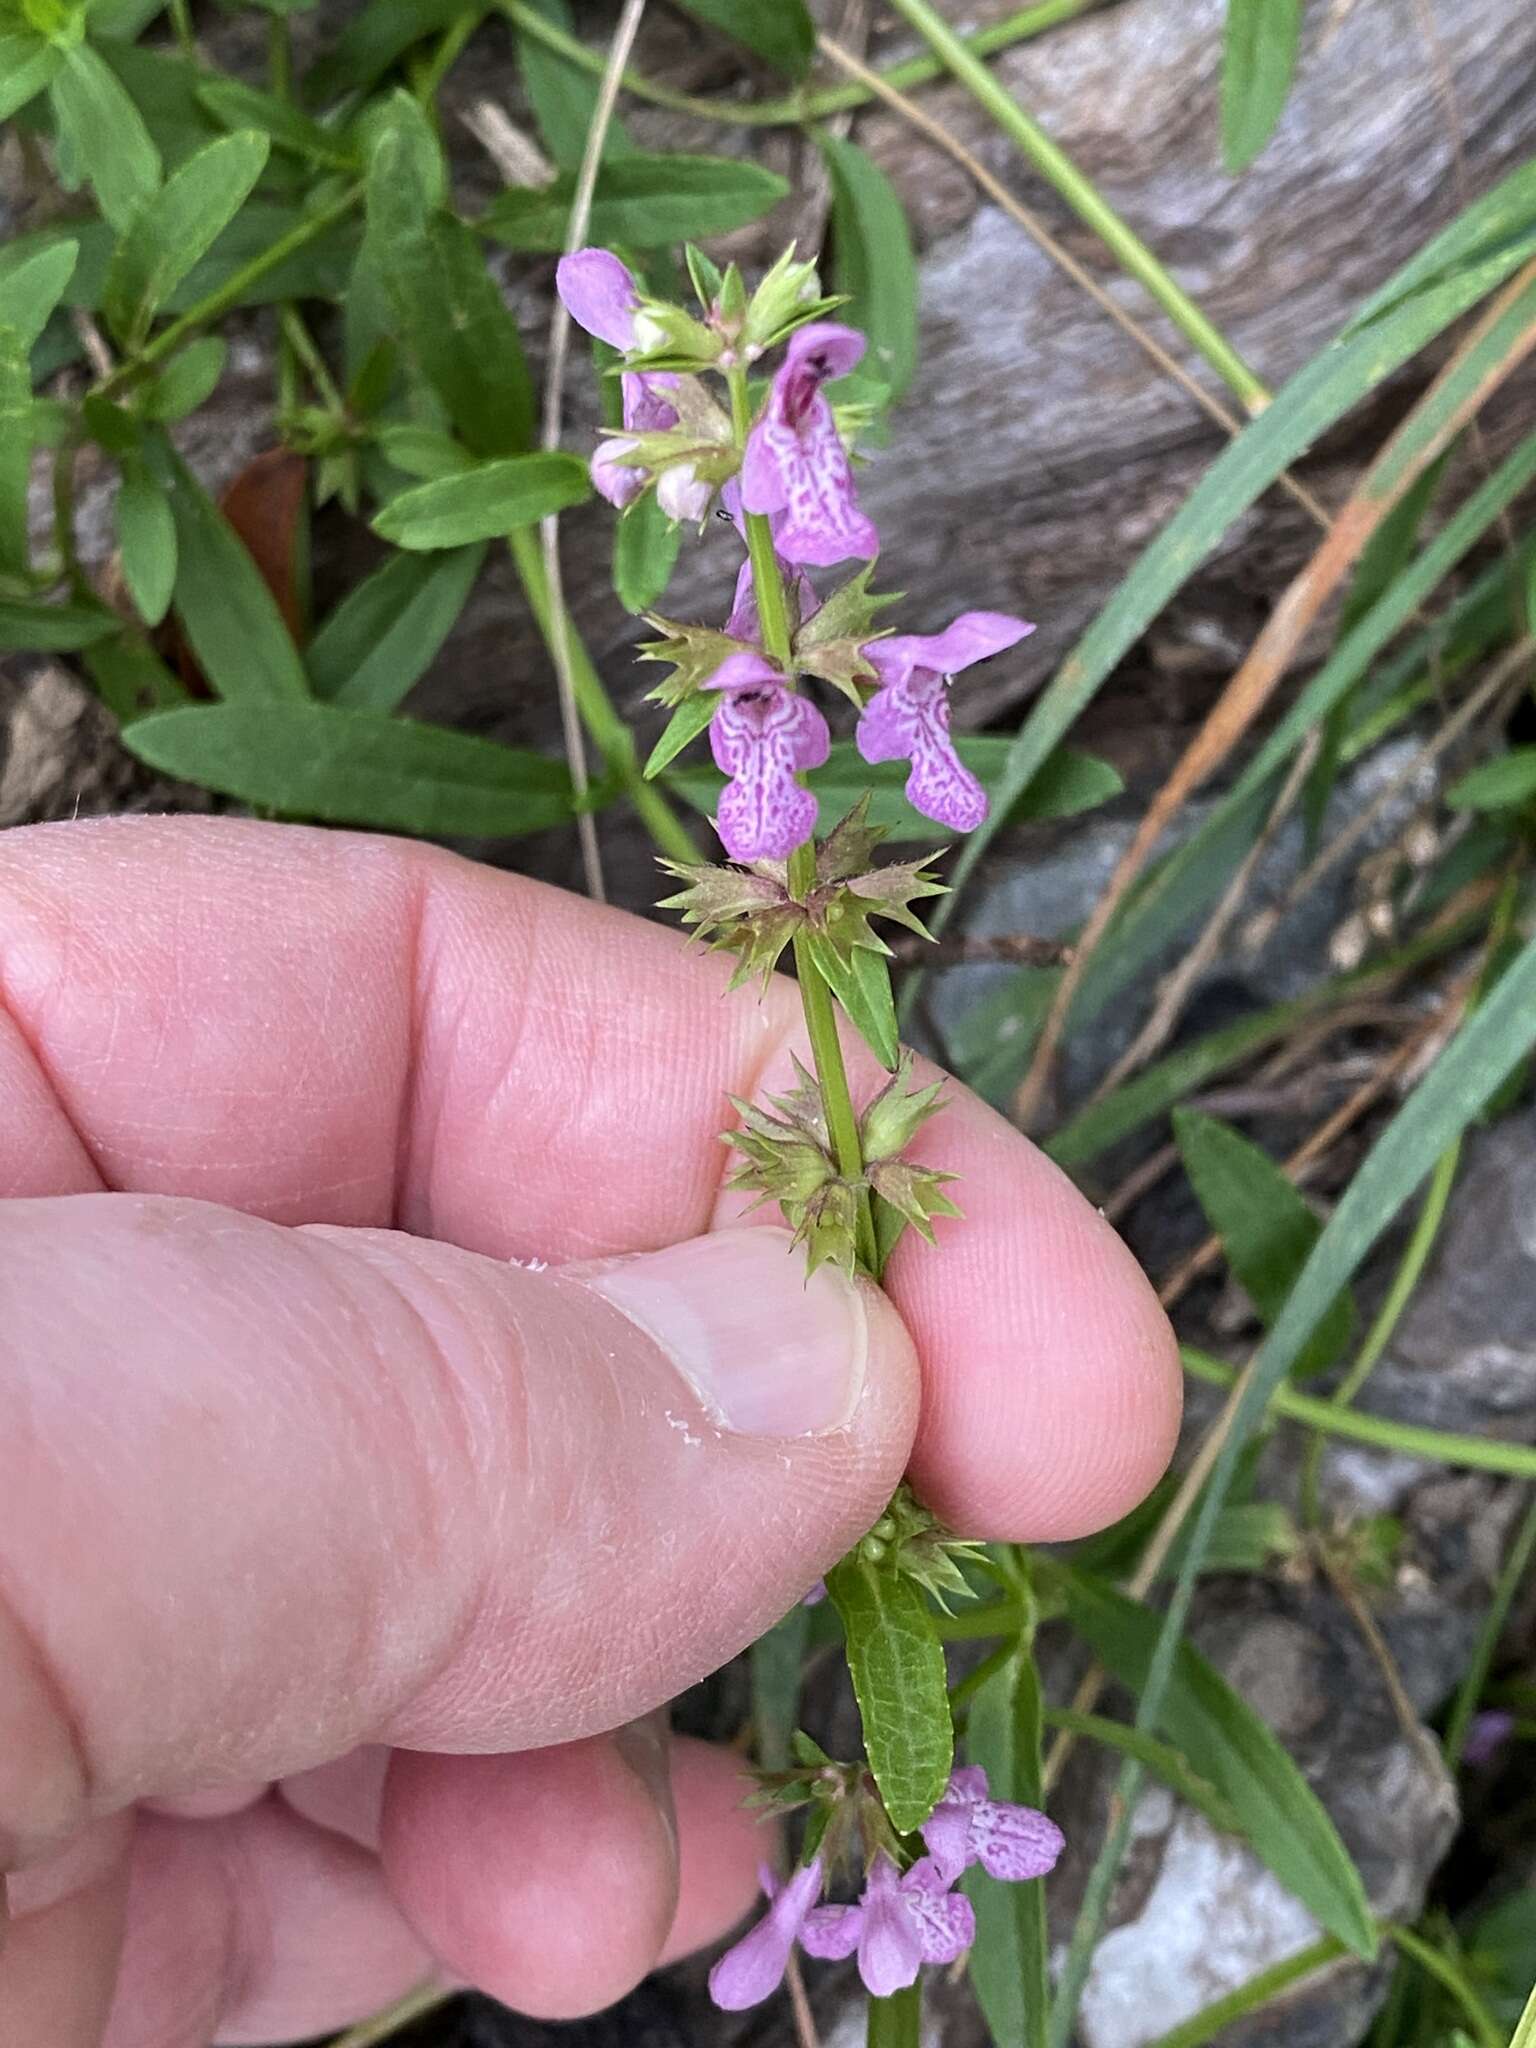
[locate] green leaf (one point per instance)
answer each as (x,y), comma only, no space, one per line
(163,86)
(776,1662)
(1509,778)
(1497,231)
(104,134)
(896,1661)
(1070,782)
(32,282)
(27,64)
(236,106)
(449,312)
(130,678)
(31,628)
(188,380)
(484,503)
(16,432)
(1281,1817)
(1258,63)
(682,728)
(174,228)
(1317,396)
(423,451)
(226,610)
(781,32)
(872,260)
(645,545)
(1010,1962)
(562,95)
(1265,1225)
(374,40)
(384,634)
(861,982)
(646,202)
(146,538)
(1161,1758)
(357,768)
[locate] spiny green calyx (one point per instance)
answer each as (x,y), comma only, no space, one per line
(832,641)
(787,1158)
(750,910)
(911,1540)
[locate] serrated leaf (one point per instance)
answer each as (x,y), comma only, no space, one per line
(563,96)
(483,503)
(896,1661)
(1496,785)
(384,634)
(27,627)
(176,226)
(1265,1225)
(228,614)
(645,545)
(104,134)
(188,380)
(861,982)
(682,728)
(449,311)
(644,202)
(781,32)
(32,282)
(146,539)
(1009,1963)
(1069,783)
(1258,64)
(27,63)
(357,768)
(1281,1817)
(872,260)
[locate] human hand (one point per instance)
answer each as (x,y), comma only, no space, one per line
(334,1548)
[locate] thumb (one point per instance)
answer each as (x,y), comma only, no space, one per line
(268,1493)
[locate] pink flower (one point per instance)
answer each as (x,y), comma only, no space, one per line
(907,719)
(748,1973)
(1009,1842)
(600,295)
(795,459)
(899,1924)
(761,736)
(1487,1735)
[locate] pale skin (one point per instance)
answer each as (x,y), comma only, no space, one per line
(334,1547)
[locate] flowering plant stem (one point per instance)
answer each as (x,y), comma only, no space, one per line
(897,2022)
(815,996)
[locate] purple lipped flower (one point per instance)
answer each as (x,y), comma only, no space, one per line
(762,735)
(600,295)
(1486,1735)
(751,1971)
(1009,1842)
(900,1923)
(795,460)
(907,719)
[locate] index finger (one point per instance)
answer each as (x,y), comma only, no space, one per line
(328,1027)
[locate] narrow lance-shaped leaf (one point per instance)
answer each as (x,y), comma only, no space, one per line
(897,1663)
(384,634)
(483,503)
(146,539)
(175,227)
(32,283)
(781,32)
(27,63)
(1264,1223)
(357,768)
(644,202)
(104,134)
(1258,63)
(226,610)
(562,95)
(1009,1963)
(28,627)
(15,451)
(376,37)
(776,1663)
(1281,1816)
(645,545)
(872,260)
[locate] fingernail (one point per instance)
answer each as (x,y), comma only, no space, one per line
(768,1352)
(645,1747)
